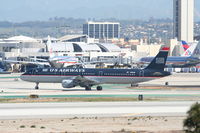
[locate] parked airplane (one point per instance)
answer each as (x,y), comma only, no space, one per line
(59,61)
(62,61)
(85,77)
(25,61)
(68,61)
(53,61)
(185,45)
(4,67)
(189,58)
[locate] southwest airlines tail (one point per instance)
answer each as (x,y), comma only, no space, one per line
(159,61)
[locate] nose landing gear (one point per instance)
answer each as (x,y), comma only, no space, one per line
(37,86)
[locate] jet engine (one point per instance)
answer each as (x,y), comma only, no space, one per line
(68,84)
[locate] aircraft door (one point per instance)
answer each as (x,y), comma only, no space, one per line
(100,73)
(141,73)
(34,71)
(63,73)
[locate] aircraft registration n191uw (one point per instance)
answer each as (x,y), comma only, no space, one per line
(87,77)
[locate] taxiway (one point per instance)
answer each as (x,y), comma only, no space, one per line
(96,109)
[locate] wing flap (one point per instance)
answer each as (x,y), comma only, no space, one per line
(83,81)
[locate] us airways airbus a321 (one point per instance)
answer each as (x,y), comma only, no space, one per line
(86,77)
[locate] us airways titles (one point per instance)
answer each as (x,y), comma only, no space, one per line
(63,70)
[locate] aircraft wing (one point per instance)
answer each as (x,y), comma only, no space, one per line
(86,63)
(18,62)
(26,62)
(84,81)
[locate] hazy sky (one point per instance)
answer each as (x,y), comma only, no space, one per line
(25,10)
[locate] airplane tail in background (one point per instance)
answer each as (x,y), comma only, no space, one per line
(196,52)
(49,47)
(159,61)
(192,50)
(185,45)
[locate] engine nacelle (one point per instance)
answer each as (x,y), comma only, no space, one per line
(68,84)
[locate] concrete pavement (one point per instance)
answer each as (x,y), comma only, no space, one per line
(109,109)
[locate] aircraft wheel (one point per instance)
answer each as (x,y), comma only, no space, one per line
(88,88)
(99,88)
(37,86)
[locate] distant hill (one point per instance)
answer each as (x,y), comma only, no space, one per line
(54,26)
(60,26)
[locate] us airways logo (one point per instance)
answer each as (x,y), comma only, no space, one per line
(160,60)
(64,70)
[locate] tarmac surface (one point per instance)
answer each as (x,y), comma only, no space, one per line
(181,87)
(163,110)
(93,109)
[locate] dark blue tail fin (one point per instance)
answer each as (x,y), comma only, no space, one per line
(159,61)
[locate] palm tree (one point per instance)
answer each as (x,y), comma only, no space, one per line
(192,122)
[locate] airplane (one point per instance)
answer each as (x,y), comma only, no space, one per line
(4,66)
(62,61)
(59,61)
(68,61)
(185,45)
(188,59)
(88,77)
(53,61)
(25,61)
(56,61)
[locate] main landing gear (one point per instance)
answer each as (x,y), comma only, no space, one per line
(99,88)
(37,86)
(88,88)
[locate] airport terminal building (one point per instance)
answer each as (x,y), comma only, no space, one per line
(75,45)
(102,30)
